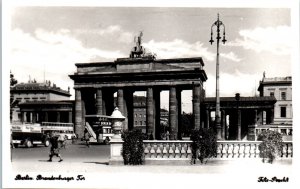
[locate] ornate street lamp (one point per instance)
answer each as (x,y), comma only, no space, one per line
(117,121)
(218,25)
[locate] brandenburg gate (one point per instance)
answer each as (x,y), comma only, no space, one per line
(96,83)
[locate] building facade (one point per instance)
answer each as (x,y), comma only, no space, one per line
(281,89)
(36,102)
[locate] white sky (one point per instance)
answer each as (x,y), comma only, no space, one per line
(55,38)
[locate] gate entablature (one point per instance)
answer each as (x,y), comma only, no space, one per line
(95,83)
(125,72)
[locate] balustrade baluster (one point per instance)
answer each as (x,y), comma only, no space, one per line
(165,150)
(189,151)
(219,150)
(159,150)
(236,150)
(152,151)
(230,151)
(183,151)
(250,150)
(290,150)
(173,147)
(257,150)
(284,151)
(224,151)
(242,151)
(148,148)
(177,150)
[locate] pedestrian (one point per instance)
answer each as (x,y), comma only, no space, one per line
(55,147)
(151,136)
(86,137)
(167,135)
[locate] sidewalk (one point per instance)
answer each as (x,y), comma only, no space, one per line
(100,175)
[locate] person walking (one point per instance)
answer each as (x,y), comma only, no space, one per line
(86,137)
(168,135)
(55,147)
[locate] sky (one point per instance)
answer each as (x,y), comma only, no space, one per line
(46,42)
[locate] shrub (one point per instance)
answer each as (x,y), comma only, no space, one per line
(204,145)
(133,149)
(271,145)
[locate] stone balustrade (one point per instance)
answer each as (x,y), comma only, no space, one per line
(174,149)
(169,149)
(160,152)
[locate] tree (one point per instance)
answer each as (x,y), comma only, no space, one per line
(13,81)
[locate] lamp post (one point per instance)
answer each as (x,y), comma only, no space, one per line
(117,122)
(218,24)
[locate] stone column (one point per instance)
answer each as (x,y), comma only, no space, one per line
(70,120)
(223,124)
(196,105)
(99,102)
(108,101)
(178,97)
(128,96)
(46,117)
(57,116)
(251,135)
(30,117)
(271,115)
(22,117)
(121,103)
(239,125)
(156,97)
(207,118)
(78,114)
(173,113)
(83,112)
(255,117)
(33,117)
(150,112)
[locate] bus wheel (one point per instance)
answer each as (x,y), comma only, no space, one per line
(16,145)
(46,143)
(106,141)
(28,143)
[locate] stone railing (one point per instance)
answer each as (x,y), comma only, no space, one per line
(155,149)
(179,152)
(167,149)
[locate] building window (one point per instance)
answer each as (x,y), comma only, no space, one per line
(141,123)
(283,95)
(140,115)
(271,93)
(135,115)
(282,111)
(135,123)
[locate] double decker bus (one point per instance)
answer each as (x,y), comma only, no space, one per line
(32,134)
(99,127)
(64,129)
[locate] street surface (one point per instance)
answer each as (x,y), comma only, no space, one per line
(72,153)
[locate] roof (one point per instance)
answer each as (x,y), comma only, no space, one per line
(275,81)
(32,87)
(242,99)
(67,102)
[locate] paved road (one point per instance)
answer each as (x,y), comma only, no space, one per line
(72,153)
